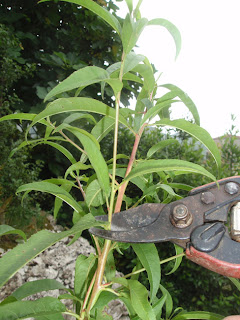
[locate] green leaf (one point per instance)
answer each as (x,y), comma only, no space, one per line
(177,92)
(131,61)
(155,110)
(19,256)
(130,5)
(149,258)
(146,71)
(76,167)
(180,186)
(82,77)
(26,309)
(132,77)
(151,190)
(58,202)
(162,144)
(157,307)
(32,287)
(94,196)
(83,267)
(178,260)
(57,316)
(78,115)
(168,303)
(104,298)
(34,143)
(100,11)
(172,29)
(139,299)
(150,166)
(236,282)
(22,116)
(110,270)
(197,132)
(95,157)
(5,229)
(77,104)
(102,128)
(63,150)
(51,188)
(198,315)
(131,31)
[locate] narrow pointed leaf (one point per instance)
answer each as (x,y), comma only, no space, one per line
(63,150)
(139,300)
(131,61)
(168,302)
(149,258)
(100,11)
(102,128)
(5,229)
(157,307)
(130,5)
(159,146)
(197,132)
(96,159)
(155,110)
(19,256)
(34,143)
(25,309)
(177,92)
(76,167)
(198,315)
(77,115)
(77,104)
(94,195)
(32,287)
(132,77)
(146,72)
(22,116)
(79,78)
(171,28)
(131,31)
(51,188)
(236,282)
(150,166)
(82,269)
(178,260)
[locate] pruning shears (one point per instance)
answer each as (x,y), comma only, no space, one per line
(206,224)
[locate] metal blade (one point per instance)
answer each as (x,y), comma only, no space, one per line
(134,218)
(147,223)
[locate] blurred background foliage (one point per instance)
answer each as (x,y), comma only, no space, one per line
(41,45)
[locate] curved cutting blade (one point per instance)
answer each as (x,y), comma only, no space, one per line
(147,223)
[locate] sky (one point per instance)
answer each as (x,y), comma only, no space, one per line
(208,66)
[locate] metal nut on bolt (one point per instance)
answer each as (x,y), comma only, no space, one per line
(180,216)
(231,188)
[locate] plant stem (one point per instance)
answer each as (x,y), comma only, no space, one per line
(102,259)
(88,294)
(117,106)
(73,143)
(161,262)
(123,187)
(81,188)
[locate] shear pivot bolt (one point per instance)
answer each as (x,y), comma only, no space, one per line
(231,188)
(181,217)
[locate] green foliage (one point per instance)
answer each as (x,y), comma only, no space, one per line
(101,181)
(22,168)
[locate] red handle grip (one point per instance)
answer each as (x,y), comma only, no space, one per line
(205,260)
